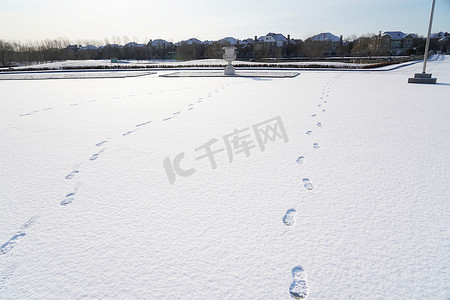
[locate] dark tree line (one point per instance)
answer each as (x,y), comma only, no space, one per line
(13,53)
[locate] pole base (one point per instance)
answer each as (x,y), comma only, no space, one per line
(422,78)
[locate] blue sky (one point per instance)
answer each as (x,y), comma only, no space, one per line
(176,20)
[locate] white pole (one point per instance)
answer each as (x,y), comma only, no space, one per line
(427,45)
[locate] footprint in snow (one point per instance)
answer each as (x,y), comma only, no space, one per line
(127,133)
(68,199)
(298,288)
(314,115)
(101,143)
(96,155)
(309,132)
(300,159)
(74,172)
(19,235)
(6,247)
(308,185)
(316,146)
(319,124)
(289,217)
(176,113)
(143,124)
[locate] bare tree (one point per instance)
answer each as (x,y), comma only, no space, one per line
(6,53)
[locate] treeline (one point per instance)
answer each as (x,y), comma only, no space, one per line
(13,53)
(21,53)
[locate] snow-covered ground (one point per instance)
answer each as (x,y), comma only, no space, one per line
(107,191)
(72,74)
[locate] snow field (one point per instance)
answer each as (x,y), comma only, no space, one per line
(352,208)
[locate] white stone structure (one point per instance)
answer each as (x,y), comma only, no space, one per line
(229,56)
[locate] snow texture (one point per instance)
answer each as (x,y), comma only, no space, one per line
(87,210)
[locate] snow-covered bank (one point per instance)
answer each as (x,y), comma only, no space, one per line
(370,192)
(72,64)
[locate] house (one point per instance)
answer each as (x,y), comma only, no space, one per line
(134,45)
(438,35)
(192,41)
(111,46)
(392,42)
(160,44)
(444,43)
(264,46)
(326,37)
(329,42)
(280,40)
(436,43)
(89,47)
(73,47)
(266,39)
(272,44)
(246,42)
(228,40)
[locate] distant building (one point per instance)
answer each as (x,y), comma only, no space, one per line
(133,44)
(160,44)
(438,41)
(229,40)
(392,42)
(329,42)
(192,41)
(264,46)
(438,35)
(266,39)
(73,47)
(271,44)
(281,40)
(326,37)
(111,46)
(246,42)
(444,43)
(89,47)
